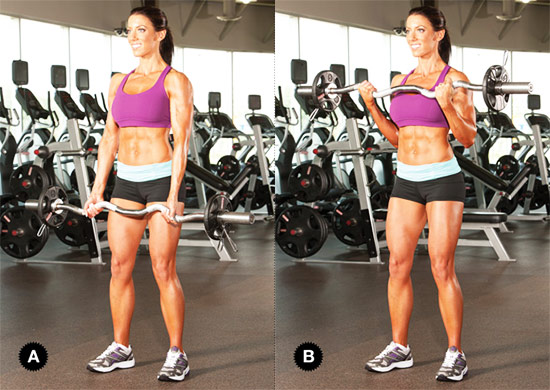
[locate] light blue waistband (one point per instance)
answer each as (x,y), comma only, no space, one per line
(140,173)
(427,171)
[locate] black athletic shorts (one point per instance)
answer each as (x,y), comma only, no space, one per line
(444,188)
(146,191)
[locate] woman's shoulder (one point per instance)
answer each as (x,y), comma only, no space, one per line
(397,79)
(177,79)
(455,74)
(116,79)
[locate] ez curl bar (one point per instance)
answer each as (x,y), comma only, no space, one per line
(52,207)
(496,89)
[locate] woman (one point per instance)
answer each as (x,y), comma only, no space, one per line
(429,187)
(144,105)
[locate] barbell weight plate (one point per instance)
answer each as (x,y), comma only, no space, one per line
(346,223)
(507,167)
(228,167)
(539,197)
(495,75)
(44,210)
(535,161)
(300,231)
(381,197)
(217,204)
(19,229)
(72,231)
(74,182)
(323,80)
(308,182)
(371,178)
(260,195)
(28,181)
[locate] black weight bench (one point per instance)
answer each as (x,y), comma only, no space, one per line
(471,220)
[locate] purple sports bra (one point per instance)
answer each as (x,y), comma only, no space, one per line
(150,108)
(417,110)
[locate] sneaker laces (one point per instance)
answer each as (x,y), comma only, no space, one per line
(450,359)
(387,350)
(171,359)
(111,348)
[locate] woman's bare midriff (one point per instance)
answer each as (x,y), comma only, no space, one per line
(144,145)
(423,145)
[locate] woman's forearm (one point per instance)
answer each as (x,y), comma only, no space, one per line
(108,147)
(463,131)
(179,163)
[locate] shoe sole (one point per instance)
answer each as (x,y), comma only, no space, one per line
(177,378)
(456,378)
(114,366)
(403,364)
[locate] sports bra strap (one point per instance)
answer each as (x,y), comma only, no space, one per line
(407,76)
(439,79)
(442,75)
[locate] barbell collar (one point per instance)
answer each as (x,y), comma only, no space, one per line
(514,88)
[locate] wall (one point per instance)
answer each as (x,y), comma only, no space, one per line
(246,35)
(527,34)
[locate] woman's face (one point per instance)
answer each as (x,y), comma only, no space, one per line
(421,37)
(142,36)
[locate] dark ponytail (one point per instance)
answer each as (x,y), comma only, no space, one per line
(438,22)
(160,22)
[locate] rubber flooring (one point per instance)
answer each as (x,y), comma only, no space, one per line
(343,309)
(228,333)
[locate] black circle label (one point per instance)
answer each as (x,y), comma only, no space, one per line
(33,356)
(308,356)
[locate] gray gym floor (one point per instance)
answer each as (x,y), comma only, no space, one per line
(228,334)
(343,309)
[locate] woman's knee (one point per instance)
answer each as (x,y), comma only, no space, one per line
(400,266)
(164,268)
(121,268)
(442,267)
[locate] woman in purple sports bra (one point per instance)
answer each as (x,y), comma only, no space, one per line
(144,106)
(429,187)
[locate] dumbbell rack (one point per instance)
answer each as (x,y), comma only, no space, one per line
(352,147)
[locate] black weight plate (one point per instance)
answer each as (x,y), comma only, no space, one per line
(228,167)
(346,222)
(91,177)
(507,167)
(539,197)
(19,228)
(381,197)
(260,196)
(371,178)
(507,206)
(535,161)
(300,231)
(323,80)
(308,182)
(28,181)
(72,231)
(45,202)
(496,74)
(217,204)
